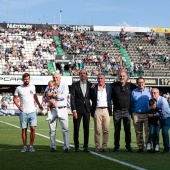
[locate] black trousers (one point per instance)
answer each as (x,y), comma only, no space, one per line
(86,121)
(119,115)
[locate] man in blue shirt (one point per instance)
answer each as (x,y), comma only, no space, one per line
(162,104)
(139,108)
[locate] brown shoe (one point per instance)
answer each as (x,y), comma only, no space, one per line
(105,150)
(97,150)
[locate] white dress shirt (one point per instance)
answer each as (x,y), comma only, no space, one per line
(102,97)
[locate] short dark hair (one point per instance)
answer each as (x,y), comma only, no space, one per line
(152,102)
(25,75)
(139,79)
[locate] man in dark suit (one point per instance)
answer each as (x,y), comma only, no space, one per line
(80,106)
(101,111)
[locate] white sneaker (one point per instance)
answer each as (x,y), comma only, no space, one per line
(48,119)
(31,149)
(24,149)
(148,147)
(157,148)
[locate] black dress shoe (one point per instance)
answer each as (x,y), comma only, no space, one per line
(66,150)
(52,150)
(76,149)
(140,150)
(116,149)
(86,150)
(129,149)
(165,151)
(150,150)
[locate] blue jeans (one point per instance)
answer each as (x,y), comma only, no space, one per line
(165,136)
(154,134)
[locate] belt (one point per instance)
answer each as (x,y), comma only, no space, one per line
(141,112)
(61,107)
(122,109)
(102,107)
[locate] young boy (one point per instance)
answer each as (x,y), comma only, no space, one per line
(154,116)
(51,88)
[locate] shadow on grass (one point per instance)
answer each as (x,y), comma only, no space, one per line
(43,159)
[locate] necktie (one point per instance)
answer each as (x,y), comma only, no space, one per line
(84,90)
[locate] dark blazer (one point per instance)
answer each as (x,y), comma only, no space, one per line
(77,98)
(94,99)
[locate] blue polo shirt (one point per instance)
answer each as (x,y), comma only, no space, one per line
(140,100)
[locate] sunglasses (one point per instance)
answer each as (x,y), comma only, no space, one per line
(122,88)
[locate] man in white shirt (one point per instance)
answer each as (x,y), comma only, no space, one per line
(101,111)
(61,115)
(27,95)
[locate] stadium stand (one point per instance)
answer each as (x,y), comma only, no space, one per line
(25,52)
(34,51)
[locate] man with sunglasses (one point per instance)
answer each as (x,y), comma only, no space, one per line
(121,92)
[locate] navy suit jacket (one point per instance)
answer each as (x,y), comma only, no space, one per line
(93,97)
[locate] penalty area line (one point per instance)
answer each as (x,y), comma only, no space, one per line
(94,153)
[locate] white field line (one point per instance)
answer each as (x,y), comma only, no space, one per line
(94,153)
